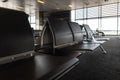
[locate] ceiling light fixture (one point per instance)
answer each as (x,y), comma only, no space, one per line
(57,8)
(106,0)
(41,1)
(20,7)
(70,6)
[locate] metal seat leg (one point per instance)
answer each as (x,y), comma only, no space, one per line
(104,51)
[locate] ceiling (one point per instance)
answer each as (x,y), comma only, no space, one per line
(64,4)
(51,5)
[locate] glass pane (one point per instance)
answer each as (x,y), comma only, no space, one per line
(33,26)
(93,23)
(79,22)
(79,14)
(109,10)
(73,15)
(92,12)
(118,8)
(118,25)
(32,19)
(29,19)
(109,26)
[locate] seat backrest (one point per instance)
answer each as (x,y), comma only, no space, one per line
(61,32)
(89,33)
(77,32)
(16,35)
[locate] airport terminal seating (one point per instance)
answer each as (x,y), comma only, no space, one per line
(18,60)
(16,39)
(90,37)
(60,34)
(75,27)
(90,34)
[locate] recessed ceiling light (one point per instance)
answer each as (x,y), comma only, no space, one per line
(58,8)
(41,1)
(20,7)
(106,0)
(70,6)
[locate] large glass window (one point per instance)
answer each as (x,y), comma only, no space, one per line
(118,25)
(104,17)
(73,15)
(32,22)
(118,18)
(92,12)
(79,14)
(80,22)
(109,26)
(93,23)
(109,10)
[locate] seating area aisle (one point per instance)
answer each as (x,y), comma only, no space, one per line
(96,66)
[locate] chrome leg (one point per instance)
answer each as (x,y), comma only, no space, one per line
(104,51)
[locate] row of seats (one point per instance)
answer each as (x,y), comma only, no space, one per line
(59,34)
(17,44)
(90,34)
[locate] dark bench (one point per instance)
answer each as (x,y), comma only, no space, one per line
(60,34)
(16,36)
(78,38)
(90,37)
(90,34)
(18,60)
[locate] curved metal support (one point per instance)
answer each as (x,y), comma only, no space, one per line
(42,34)
(53,36)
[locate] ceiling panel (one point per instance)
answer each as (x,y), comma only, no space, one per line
(51,5)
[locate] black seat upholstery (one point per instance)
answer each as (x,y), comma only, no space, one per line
(77,32)
(78,38)
(56,34)
(61,32)
(16,34)
(17,43)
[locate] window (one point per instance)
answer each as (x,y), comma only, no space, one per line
(73,15)
(32,19)
(93,23)
(109,26)
(92,12)
(32,22)
(104,17)
(118,18)
(109,10)
(118,25)
(79,14)
(80,22)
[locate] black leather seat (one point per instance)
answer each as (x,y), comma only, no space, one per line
(77,32)
(78,38)
(90,34)
(16,36)
(60,34)
(16,43)
(90,37)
